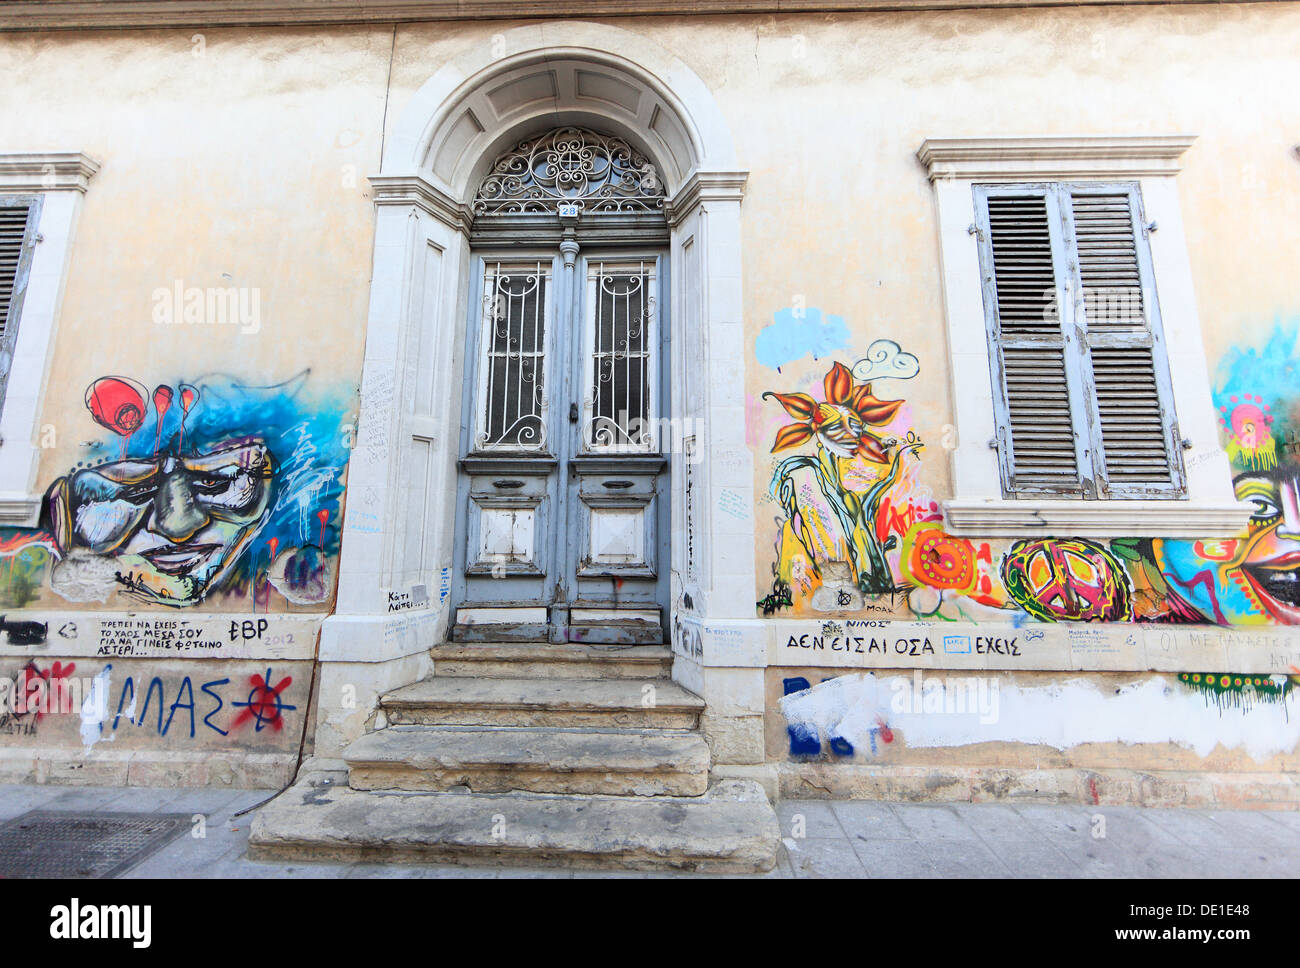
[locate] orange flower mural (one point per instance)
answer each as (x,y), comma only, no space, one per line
(840,424)
(841,428)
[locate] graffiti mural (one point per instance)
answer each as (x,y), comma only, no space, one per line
(853,465)
(1066,579)
(856,531)
(209,490)
(1242,691)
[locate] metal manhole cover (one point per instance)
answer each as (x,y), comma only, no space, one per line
(53,843)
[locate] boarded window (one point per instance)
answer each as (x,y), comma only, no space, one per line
(1081,384)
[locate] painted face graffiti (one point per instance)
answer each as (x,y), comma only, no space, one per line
(1249,580)
(185,502)
(1272,557)
(173,525)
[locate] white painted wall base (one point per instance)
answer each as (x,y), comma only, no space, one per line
(1262,790)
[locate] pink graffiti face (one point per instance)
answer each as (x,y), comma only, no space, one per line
(174,525)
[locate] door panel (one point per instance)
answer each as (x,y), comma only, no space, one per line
(507,487)
(618,483)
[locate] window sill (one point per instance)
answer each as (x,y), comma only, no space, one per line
(19,510)
(999,518)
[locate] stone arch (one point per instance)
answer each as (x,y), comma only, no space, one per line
(600,76)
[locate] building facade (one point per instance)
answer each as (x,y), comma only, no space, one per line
(924,375)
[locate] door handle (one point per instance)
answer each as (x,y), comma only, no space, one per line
(573,413)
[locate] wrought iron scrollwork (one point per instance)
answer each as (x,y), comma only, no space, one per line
(600,173)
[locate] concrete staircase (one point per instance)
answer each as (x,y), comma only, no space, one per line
(582,755)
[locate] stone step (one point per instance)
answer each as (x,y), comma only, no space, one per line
(731,829)
(570,660)
(501,759)
(618,703)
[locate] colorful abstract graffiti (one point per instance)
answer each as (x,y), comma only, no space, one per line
(1242,691)
(210,491)
(858,531)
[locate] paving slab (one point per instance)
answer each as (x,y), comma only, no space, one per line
(808,818)
(997,823)
(894,858)
(965,859)
(871,820)
(823,857)
(938,822)
(1034,858)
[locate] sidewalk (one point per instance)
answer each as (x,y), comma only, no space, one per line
(839,839)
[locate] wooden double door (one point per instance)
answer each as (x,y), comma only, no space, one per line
(565,447)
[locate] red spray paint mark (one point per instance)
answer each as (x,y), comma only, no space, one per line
(265,705)
(34,687)
(162,401)
(886,733)
(324,516)
(1092,788)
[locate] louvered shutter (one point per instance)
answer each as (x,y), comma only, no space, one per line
(1033,364)
(1138,452)
(1081,386)
(16,217)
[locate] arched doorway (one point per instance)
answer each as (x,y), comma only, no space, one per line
(566,436)
(396,596)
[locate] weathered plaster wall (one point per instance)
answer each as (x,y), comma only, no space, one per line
(1212,76)
(236,159)
(201,404)
(857,286)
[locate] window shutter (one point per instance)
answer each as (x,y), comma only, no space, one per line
(13,229)
(1023,289)
(1083,398)
(1138,452)
(15,258)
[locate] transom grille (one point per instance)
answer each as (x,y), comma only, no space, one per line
(597,173)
